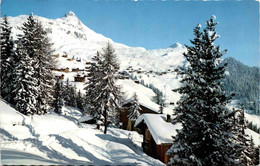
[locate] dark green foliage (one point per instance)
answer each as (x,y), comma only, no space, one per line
(243,81)
(205,138)
(80,101)
(7,61)
(93,106)
(33,46)
(108,95)
(58,100)
(245,150)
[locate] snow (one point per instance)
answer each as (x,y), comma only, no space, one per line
(85,118)
(58,139)
(144,94)
(254,135)
(255,119)
(161,130)
(213,17)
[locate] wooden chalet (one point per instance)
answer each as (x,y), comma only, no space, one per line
(70,59)
(65,56)
(157,131)
(128,124)
(75,69)
(66,70)
(78,60)
(79,78)
(137,81)
(57,55)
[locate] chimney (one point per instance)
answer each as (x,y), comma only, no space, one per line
(168,118)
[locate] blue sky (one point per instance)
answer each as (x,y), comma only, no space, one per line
(157,24)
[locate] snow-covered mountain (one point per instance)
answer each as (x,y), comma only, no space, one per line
(71,37)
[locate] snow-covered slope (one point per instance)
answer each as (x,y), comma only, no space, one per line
(59,139)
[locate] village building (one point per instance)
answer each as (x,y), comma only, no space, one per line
(66,70)
(157,134)
(65,56)
(79,78)
(57,55)
(126,123)
(75,69)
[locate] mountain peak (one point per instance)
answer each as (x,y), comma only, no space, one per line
(70,14)
(175,45)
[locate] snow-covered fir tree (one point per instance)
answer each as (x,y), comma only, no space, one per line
(66,92)
(35,44)
(7,61)
(44,62)
(109,94)
(25,83)
(80,101)
(206,137)
(246,150)
(92,104)
(134,108)
(73,96)
(58,97)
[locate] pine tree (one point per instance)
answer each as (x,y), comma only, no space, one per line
(73,96)
(58,97)
(246,149)
(134,108)
(66,93)
(35,44)
(206,136)
(7,61)
(80,101)
(93,103)
(25,83)
(109,93)
(44,61)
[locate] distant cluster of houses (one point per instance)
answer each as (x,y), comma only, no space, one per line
(69,59)
(140,71)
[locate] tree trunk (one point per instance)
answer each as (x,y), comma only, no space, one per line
(105,122)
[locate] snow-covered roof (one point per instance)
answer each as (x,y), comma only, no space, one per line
(160,130)
(85,118)
(144,95)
